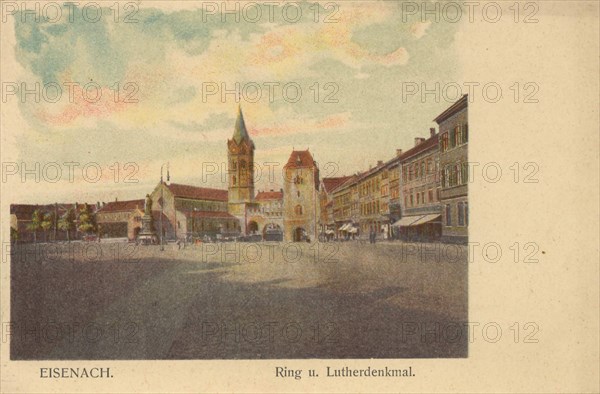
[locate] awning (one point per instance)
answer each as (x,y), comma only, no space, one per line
(407,221)
(346,227)
(353,230)
(329,232)
(427,219)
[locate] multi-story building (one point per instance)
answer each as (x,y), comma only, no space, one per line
(393,168)
(373,192)
(327,225)
(453,144)
(346,209)
(300,197)
(420,189)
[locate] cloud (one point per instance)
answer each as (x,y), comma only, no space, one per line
(333,122)
(418,29)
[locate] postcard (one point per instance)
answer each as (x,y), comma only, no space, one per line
(310,196)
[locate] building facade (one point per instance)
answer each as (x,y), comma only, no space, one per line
(373,193)
(453,144)
(420,191)
(327,226)
(300,197)
(191,212)
(265,216)
(120,219)
(346,209)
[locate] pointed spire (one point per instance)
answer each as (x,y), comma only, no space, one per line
(240,133)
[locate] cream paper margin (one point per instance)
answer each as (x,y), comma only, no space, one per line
(560,213)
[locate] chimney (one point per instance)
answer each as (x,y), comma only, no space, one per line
(398,152)
(97,204)
(272,190)
(418,140)
(103,203)
(379,163)
(432,131)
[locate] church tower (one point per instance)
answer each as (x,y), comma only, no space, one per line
(240,170)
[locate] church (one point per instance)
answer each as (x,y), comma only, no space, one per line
(192,212)
(290,213)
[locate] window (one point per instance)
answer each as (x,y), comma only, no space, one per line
(465,173)
(461,216)
(459,135)
(466,207)
(430,195)
(452,138)
(298,193)
(448,215)
(233,180)
(443,178)
(422,169)
(298,210)
(465,133)
(444,142)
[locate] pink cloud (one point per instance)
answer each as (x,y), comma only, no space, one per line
(95,103)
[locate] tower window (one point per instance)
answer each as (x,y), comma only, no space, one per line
(298,209)
(233,180)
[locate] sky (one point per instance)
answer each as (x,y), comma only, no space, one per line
(158,71)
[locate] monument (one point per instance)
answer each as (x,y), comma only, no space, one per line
(147,234)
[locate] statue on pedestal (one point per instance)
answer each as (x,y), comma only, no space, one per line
(147,234)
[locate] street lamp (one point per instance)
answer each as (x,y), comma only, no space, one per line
(162,203)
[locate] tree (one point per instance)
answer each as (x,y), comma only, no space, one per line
(67,222)
(87,220)
(14,235)
(48,222)
(36,223)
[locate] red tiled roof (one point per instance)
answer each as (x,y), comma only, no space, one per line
(271,195)
(210,214)
(423,146)
(120,206)
(332,183)
(197,193)
(300,159)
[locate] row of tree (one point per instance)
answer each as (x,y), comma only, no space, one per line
(83,220)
